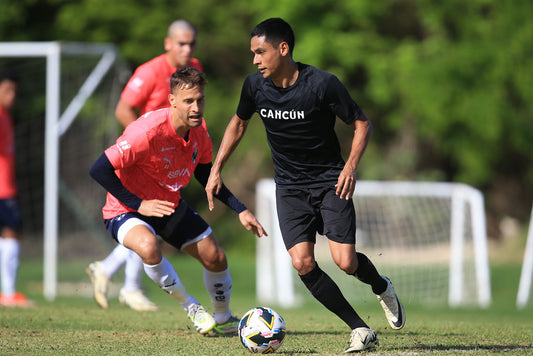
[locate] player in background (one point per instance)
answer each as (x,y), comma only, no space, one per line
(147,90)
(10,222)
(314,185)
(144,173)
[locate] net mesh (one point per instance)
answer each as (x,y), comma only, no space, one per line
(82,236)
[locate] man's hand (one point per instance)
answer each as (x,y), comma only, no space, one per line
(249,221)
(346,184)
(212,188)
(156,207)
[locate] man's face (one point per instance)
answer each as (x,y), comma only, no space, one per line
(8,92)
(187,106)
(266,57)
(180,47)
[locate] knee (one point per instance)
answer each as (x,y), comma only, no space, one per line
(348,265)
(303,265)
(149,251)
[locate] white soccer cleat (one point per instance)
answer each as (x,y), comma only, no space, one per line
(202,320)
(136,300)
(100,283)
(229,328)
(392,306)
(362,339)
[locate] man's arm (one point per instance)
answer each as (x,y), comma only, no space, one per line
(347,179)
(125,113)
(104,173)
(232,136)
(248,220)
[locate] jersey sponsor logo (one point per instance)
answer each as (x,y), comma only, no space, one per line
(167,149)
(179,173)
(173,188)
(282,114)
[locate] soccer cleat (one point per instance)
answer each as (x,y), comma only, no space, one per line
(362,339)
(203,322)
(100,283)
(136,300)
(16,299)
(392,306)
(229,328)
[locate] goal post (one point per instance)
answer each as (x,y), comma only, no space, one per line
(56,125)
(526,275)
(429,237)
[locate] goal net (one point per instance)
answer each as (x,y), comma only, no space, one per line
(429,238)
(64,119)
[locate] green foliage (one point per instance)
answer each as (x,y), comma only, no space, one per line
(447,85)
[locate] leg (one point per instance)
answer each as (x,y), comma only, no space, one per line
(10,251)
(360,266)
(9,255)
(142,240)
(132,294)
(100,273)
(321,286)
(217,281)
(357,264)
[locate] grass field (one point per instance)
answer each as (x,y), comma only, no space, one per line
(74,325)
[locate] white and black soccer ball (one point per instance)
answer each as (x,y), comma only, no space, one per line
(262,330)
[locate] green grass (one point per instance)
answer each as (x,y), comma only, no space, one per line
(74,325)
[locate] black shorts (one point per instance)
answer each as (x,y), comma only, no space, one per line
(179,229)
(304,212)
(10,214)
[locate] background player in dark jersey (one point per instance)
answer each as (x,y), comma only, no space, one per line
(144,172)
(147,90)
(314,186)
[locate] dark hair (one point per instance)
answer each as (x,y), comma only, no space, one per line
(8,75)
(187,77)
(275,30)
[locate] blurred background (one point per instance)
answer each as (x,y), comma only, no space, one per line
(448,86)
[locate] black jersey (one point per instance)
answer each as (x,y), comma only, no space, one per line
(299,122)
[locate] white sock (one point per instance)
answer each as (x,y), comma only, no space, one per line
(165,276)
(133,272)
(218,285)
(115,260)
(9,262)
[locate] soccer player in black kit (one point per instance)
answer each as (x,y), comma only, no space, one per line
(314,185)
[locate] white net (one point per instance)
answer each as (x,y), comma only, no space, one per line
(81,234)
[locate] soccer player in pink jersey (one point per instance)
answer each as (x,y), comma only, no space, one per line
(147,90)
(9,212)
(144,173)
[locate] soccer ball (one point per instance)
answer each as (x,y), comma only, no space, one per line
(262,330)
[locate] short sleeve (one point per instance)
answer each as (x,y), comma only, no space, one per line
(340,101)
(138,88)
(247,106)
(129,148)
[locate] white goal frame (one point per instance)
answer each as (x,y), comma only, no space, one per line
(57,124)
(274,265)
(526,275)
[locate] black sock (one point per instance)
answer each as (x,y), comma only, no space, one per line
(367,273)
(328,293)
